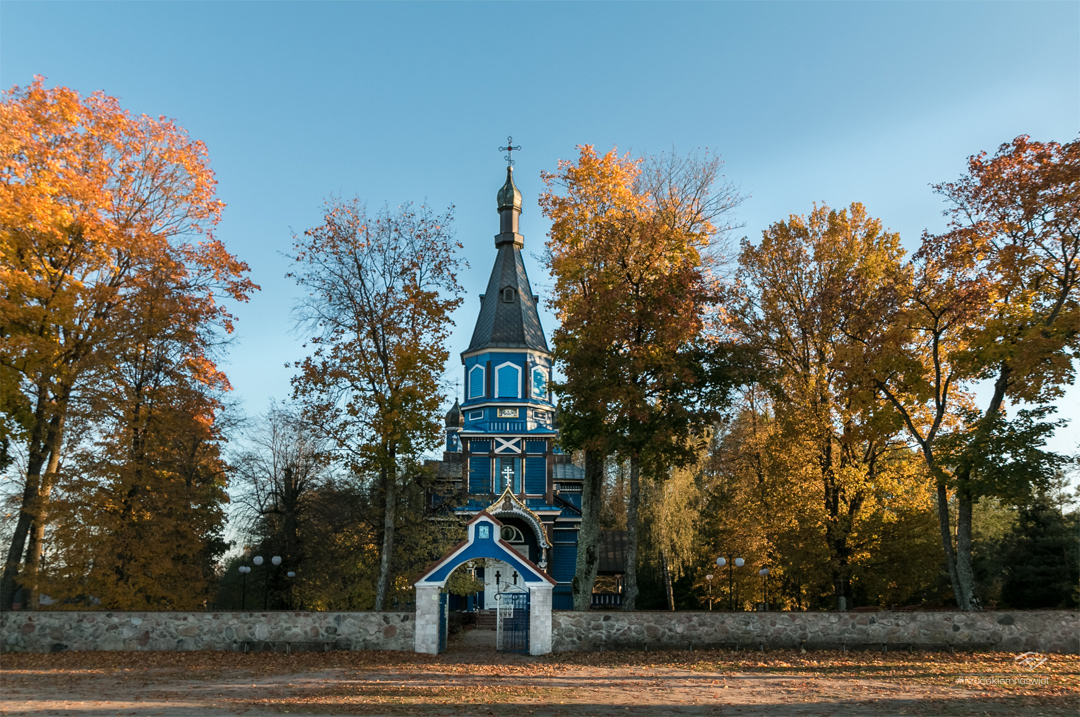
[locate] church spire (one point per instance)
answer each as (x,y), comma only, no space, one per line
(508,313)
(509,202)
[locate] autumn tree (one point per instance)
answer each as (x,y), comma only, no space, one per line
(99,210)
(380,291)
(632,253)
(762,489)
(672,515)
(794,290)
(138,520)
(996,298)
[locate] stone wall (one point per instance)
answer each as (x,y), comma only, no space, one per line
(47,631)
(1041,631)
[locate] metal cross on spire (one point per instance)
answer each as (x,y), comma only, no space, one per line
(510,149)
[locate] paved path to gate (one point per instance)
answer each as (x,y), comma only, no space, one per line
(471,680)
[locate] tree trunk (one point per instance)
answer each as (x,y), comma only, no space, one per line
(669,591)
(9,584)
(31,576)
(965,576)
(43,445)
(835,535)
(588,556)
(389,515)
(945,524)
(631,591)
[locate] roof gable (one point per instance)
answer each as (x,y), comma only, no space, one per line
(483,543)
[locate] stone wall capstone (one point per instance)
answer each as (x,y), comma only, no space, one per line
(1040,631)
(57,631)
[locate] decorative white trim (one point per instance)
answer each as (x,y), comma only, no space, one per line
(502,403)
(508,504)
(476,415)
(507,445)
(493,350)
(482,393)
(497,382)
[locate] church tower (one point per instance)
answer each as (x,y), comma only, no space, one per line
(502,435)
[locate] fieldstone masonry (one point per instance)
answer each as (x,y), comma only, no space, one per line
(1041,631)
(47,631)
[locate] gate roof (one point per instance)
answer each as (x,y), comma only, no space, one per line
(483,541)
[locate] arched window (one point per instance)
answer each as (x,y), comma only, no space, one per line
(512,534)
(508,381)
(508,295)
(476,382)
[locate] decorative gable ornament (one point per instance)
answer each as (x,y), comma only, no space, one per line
(484,541)
(508,504)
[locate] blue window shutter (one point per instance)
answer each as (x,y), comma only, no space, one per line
(479,475)
(508,382)
(476,382)
(535,475)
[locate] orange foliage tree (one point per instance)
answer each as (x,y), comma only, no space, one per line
(106,242)
(995,298)
(631,255)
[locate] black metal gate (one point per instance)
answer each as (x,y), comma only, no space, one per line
(513,622)
(442,621)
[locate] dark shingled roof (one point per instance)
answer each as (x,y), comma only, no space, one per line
(451,467)
(508,324)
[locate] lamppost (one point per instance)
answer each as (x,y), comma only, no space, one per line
(709,578)
(764,573)
(738,563)
(244,570)
(258,560)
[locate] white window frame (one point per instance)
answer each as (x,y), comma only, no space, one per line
(476,415)
(517,387)
(473,370)
(547,379)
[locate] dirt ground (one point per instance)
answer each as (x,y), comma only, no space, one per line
(474,680)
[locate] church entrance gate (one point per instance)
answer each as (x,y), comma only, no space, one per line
(529,617)
(512,626)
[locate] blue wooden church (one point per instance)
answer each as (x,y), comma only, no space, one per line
(502,439)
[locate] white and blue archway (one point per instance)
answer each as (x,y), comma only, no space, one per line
(483,541)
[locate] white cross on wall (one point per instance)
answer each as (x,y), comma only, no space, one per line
(508,473)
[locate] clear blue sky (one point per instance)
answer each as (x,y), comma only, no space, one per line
(832,101)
